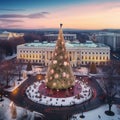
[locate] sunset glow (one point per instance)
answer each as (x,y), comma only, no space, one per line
(80,15)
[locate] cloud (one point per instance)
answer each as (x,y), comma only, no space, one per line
(38,15)
(9,9)
(10,20)
(10,26)
(34,15)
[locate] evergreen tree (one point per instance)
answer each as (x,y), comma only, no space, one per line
(93,69)
(29,67)
(118,69)
(59,74)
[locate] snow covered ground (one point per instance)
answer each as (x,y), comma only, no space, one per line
(15,83)
(10,57)
(34,94)
(98,114)
(5,112)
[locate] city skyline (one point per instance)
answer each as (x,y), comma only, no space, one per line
(84,14)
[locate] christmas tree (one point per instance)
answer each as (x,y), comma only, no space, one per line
(60,74)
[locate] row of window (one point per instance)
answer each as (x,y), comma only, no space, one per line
(70,57)
(95,52)
(23,51)
(97,63)
(33,61)
(82,63)
(31,56)
(95,57)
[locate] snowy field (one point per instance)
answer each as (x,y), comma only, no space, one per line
(98,114)
(5,112)
(15,83)
(33,94)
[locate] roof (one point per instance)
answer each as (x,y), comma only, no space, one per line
(68,44)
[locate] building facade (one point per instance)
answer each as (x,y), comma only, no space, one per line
(53,37)
(110,39)
(79,53)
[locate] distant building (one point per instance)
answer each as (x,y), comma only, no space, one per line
(79,53)
(53,37)
(8,35)
(108,38)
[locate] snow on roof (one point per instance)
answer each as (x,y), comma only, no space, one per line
(88,44)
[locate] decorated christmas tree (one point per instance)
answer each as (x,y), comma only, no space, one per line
(60,74)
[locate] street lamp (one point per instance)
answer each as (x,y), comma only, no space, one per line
(39,77)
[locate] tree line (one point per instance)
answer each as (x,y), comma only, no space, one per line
(9,47)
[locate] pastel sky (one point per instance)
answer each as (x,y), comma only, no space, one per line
(78,14)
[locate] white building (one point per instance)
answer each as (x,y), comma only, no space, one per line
(110,39)
(53,37)
(79,53)
(8,35)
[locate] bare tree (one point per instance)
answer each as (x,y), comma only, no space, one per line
(1,92)
(8,72)
(19,66)
(93,68)
(110,88)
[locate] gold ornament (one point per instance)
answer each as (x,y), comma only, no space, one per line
(67,76)
(55,62)
(52,71)
(55,54)
(50,78)
(54,84)
(61,57)
(64,74)
(65,63)
(56,75)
